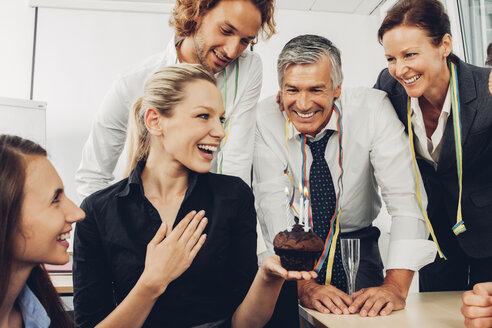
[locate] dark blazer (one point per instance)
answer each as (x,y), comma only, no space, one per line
(442,184)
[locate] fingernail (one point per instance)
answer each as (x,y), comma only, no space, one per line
(337,311)
(346,311)
(363,313)
(202,212)
(351,309)
(372,312)
(383,312)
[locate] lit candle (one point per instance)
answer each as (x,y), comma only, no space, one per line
(306,210)
(301,205)
(287,208)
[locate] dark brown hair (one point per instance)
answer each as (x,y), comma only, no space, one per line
(489,55)
(428,15)
(13,163)
(186,13)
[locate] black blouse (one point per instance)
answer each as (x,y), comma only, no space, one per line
(110,247)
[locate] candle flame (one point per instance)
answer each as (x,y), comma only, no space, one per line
(306,193)
(286,191)
(300,187)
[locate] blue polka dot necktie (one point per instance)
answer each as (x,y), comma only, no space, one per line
(323,202)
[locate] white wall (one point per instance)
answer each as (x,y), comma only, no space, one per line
(79,53)
(16,41)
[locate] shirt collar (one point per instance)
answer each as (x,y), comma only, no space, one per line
(331,125)
(33,313)
(134,182)
(171,57)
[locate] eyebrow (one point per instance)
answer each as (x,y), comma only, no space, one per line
(209,109)
(310,87)
(235,29)
(411,49)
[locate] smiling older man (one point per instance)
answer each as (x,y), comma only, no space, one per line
(318,130)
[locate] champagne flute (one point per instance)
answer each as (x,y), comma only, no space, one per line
(350,261)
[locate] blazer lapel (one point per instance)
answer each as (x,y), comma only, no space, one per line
(400,103)
(399,98)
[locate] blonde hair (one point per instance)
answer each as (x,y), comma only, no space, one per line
(163,91)
(186,13)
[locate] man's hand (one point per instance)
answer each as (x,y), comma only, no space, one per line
(477,306)
(377,300)
(325,299)
(383,300)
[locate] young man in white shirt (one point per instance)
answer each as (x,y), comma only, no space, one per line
(215,34)
(369,143)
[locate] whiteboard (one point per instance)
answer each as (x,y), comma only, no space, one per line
(25,118)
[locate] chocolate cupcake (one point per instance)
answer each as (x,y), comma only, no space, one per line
(298,249)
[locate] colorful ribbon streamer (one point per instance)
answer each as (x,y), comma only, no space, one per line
(224,99)
(459,227)
(330,242)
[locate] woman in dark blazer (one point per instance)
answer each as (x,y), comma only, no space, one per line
(420,80)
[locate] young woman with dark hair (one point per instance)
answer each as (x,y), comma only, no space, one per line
(35,217)
(445,106)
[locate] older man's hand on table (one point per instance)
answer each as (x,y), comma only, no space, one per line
(383,300)
(323,298)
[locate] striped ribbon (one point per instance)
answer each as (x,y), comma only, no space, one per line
(330,242)
(459,227)
(331,239)
(224,100)
(417,180)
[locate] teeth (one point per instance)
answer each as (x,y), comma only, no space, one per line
(220,57)
(63,236)
(207,147)
(413,79)
(305,115)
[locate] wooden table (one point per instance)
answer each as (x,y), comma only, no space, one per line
(62,282)
(423,310)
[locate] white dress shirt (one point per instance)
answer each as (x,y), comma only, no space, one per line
(107,138)
(429,148)
(375,152)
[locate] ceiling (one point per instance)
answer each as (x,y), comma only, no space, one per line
(361,7)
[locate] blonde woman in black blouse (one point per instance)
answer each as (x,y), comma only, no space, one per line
(174,130)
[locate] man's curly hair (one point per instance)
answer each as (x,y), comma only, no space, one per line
(186,12)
